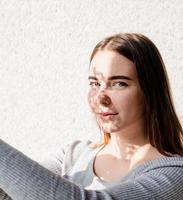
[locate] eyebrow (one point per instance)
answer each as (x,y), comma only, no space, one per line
(112,77)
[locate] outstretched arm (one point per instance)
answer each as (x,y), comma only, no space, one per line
(24,179)
(4,196)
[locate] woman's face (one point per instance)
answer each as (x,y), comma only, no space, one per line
(114,94)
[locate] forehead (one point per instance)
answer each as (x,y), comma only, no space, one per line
(109,63)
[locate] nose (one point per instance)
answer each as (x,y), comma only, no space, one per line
(104,99)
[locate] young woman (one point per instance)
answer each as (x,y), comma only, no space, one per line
(141,156)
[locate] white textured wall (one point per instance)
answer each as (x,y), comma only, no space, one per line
(44,51)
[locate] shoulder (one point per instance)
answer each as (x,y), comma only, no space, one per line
(158,179)
(65,157)
(167,174)
(77,148)
(76,151)
(166,171)
(73,150)
(175,161)
(170,167)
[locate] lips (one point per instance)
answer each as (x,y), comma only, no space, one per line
(107,114)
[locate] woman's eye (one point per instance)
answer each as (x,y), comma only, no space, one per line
(119,85)
(94,84)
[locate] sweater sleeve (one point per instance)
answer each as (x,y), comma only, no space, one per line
(3,195)
(24,179)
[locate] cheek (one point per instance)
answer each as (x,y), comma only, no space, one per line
(130,103)
(91,99)
(126,101)
(121,102)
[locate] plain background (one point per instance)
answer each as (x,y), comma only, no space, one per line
(45,47)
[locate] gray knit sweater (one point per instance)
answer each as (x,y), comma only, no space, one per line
(70,177)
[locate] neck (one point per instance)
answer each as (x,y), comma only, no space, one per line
(125,144)
(125,148)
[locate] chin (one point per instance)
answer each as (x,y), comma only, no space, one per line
(110,128)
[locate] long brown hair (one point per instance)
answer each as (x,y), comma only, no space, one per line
(162,124)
